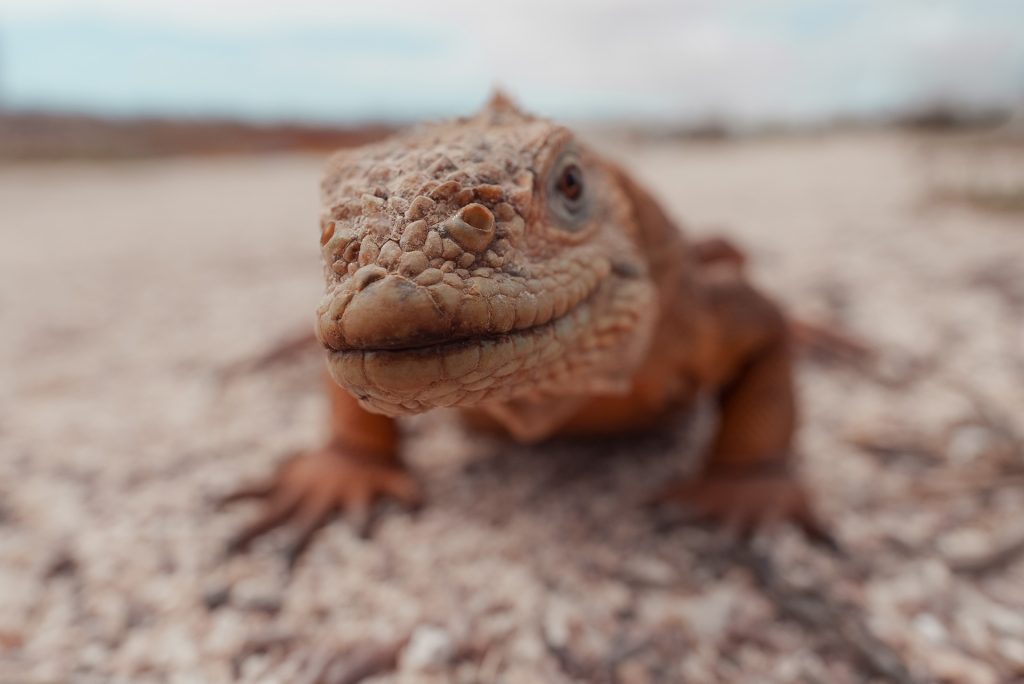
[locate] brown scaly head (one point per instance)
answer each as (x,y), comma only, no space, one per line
(480,260)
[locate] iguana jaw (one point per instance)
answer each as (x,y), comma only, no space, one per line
(585,350)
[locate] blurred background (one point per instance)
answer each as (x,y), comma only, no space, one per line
(159,169)
(671,65)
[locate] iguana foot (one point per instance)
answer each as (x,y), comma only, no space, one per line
(308,488)
(746,503)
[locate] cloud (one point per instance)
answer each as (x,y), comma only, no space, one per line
(792,60)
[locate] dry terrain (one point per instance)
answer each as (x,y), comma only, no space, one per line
(127,289)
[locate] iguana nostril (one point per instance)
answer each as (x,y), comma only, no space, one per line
(478,216)
(472,227)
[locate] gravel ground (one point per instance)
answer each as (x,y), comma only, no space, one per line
(127,288)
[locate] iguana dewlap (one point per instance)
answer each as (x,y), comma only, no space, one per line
(497,265)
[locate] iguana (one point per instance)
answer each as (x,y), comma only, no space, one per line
(498,265)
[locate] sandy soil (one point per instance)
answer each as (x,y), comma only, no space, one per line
(126,289)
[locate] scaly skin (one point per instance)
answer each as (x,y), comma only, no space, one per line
(496,264)
(452,282)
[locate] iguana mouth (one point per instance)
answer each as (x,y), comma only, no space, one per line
(426,344)
(394,313)
(491,367)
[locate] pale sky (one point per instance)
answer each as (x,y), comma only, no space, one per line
(754,61)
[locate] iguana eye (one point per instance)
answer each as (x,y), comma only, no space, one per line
(567,193)
(570,183)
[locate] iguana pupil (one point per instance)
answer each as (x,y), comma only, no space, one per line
(571,182)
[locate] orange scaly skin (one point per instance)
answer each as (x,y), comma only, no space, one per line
(495,264)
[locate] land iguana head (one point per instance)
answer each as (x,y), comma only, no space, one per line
(480,260)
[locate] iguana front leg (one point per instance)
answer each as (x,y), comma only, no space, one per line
(744,356)
(358,464)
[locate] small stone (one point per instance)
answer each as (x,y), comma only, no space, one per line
(929,626)
(557,624)
(651,571)
(429,647)
(971,443)
(708,614)
(10,640)
(953,666)
(216,597)
(269,605)
(62,564)
(633,672)
(1012,650)
(964,545)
